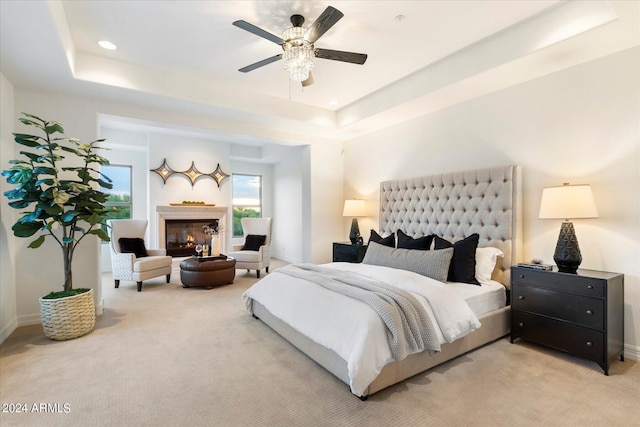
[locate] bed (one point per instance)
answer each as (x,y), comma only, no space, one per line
(453,206)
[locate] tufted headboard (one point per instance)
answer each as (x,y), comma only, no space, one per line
(455,205)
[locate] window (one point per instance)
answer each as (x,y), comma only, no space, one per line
(120,194)
(247,199)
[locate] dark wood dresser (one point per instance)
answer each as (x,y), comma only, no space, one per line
(581,314)
(347,252)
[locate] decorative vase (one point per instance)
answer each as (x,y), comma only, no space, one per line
(69,317)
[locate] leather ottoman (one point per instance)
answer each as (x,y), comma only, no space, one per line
(207,273)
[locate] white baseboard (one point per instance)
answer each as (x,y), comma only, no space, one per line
(632,352)
(8,330)
(286,259)
(34,319)
(29,319)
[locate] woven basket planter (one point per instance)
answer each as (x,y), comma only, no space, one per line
(68,318)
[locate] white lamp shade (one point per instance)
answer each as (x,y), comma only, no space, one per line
(354,208)
(568,202)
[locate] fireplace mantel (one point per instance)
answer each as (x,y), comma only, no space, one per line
(192,212)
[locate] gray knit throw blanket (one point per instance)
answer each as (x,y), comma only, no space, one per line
(409,328)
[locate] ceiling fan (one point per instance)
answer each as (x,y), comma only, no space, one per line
(297,43)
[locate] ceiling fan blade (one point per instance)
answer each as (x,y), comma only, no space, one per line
(260,64)
(258,31)
(325,21)
(309,80)
(339,55)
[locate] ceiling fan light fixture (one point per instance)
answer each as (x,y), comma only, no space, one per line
(297,43)
(294,34)
(298,57)
(298,61)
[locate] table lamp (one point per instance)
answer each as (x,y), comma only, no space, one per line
(567,202)
(354,208)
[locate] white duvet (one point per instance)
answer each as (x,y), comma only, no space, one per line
(350,327)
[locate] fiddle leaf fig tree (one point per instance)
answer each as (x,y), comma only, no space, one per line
(64,202)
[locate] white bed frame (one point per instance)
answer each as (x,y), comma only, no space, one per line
(452,205)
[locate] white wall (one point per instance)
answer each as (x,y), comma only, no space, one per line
(580,125)
(288,232)
(180,152)
(8,314)
(326,200)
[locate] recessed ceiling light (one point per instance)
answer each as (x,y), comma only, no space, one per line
(333,102)
(107,45)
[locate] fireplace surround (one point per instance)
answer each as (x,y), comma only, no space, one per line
(180,228)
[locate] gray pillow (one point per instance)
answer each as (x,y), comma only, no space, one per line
(433,264)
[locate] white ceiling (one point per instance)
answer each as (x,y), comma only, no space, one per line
(184,56)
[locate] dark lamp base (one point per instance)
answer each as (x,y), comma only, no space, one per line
(354,234)
(567,269)
(567,255)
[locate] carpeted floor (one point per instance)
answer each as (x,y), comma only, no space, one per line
(170,356)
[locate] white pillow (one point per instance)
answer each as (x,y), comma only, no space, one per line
(486,259)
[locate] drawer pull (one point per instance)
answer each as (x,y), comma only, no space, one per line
(589,311)
(589,286)
(522,276)
(520,296)
(589,344)
(521,324)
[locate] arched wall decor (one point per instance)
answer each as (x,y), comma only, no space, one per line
(165,171)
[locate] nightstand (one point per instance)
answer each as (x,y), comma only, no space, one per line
(581,314)
(347,252)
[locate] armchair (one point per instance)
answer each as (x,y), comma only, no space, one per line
(245,255)
(135,266)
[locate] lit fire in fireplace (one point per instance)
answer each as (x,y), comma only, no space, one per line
(182,235)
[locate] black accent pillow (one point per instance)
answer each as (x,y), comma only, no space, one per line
(390,240)
(133,245)
(408,242)
(253,242)
(463,263)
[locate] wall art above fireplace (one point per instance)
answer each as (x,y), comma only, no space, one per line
(165,171)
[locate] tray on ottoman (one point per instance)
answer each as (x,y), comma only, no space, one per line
(210,258)
(207,273)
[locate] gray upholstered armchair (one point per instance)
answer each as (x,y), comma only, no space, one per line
(135,262)
(255,252)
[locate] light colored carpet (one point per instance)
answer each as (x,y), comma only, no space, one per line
(170,356)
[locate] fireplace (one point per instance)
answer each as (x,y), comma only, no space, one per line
(182,235)
(180,228)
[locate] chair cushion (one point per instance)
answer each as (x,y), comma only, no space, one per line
(246,256)
(151,263)
(133,245)
(253,242)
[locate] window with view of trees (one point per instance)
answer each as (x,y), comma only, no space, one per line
(120,194)
(247,199)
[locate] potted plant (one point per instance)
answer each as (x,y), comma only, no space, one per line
(65,205)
